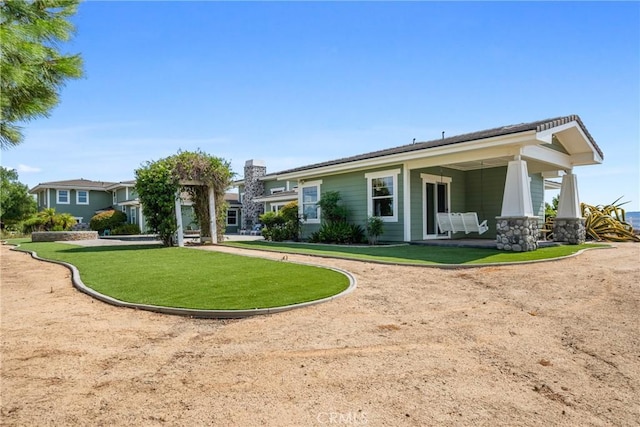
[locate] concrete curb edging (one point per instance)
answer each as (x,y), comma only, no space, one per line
(440,266)
(191,312)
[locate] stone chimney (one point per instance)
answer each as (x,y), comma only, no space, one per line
(253,188)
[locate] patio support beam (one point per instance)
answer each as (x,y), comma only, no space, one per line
(469,156)
(179,232)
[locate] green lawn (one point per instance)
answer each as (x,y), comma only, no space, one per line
(416,254)
(188,278)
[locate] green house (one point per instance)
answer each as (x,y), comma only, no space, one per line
(498,174)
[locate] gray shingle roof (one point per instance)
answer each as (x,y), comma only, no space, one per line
(538,126)
(80,183)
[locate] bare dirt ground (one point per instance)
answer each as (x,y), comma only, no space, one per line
(543,344)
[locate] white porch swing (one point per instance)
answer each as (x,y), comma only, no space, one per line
(466,222)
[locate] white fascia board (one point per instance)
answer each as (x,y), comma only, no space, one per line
(546,136)
(120,185)
(522,138)
(583,159)
(275,198)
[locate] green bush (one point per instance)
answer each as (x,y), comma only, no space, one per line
(107,220)
(34,223)
(375,228)
(338,232)
(48,220)
(126,229)
(284,225)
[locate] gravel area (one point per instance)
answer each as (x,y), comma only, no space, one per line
(539,344)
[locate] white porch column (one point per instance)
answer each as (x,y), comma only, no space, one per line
(179,220)
(143,226)
(569,202)
(212,216)
(569,226)
(517,227)
(406,202)
(516,200)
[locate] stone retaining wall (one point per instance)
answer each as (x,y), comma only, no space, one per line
(517,234)
(52,236)
(569,230)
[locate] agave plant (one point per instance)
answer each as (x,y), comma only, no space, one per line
(608,222)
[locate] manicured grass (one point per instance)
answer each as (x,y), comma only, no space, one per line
(188,278)
(416,254)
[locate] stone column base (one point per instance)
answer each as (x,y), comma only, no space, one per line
(517,233)
(569,230)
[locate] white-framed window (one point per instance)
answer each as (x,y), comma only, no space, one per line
(308,197)
(82,197)
(123,208)
(232,217)
(276,207)
(382,194)
(277,190)
(132,217)
(62,197)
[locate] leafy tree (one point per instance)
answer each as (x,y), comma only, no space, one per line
(550,210)
(16,204)
(32,67)
(156,189)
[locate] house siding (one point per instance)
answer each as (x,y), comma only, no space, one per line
(353,194)
(97,200)
(537,195)
(484,193)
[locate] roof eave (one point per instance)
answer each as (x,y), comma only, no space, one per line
(520,138)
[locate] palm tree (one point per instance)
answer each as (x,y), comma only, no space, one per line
(66,220)
(49,218)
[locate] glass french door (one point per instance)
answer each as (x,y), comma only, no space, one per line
(436,199)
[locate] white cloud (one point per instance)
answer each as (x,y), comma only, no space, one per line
(27,169)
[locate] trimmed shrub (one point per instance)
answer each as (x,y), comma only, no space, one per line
(126,229)
(284,225)
(338,232)
(107,220)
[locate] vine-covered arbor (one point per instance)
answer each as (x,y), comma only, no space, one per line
(161,184)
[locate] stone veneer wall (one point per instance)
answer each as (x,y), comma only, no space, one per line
(517,234)
(53,236)
(569,230)
(253,188)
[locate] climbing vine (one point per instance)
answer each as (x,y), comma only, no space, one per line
(158,183)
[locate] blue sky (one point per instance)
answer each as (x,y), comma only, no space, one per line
(298,83)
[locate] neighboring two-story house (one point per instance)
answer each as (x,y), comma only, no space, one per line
(83,198)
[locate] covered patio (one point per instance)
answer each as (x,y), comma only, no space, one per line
(501,174)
